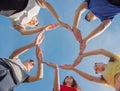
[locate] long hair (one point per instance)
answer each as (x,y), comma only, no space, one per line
(74,83)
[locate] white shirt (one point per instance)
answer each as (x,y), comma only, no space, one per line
(32,9)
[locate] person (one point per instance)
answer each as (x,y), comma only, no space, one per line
(110,72)
(13,71)
(69,83)
(26,14)
(105,10)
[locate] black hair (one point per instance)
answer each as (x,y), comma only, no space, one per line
(115,2)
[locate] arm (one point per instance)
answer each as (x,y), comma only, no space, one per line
(54,13)
(76,20)
(94,52)
(89,77)
(56,76)
(39,74)
(97,31)
(78,14)
(83,74)
(23,31)
(21,50)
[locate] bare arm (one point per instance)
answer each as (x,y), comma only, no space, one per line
(23,31)
(89,77)
(76,20)
(105,24)
(94,52)
(21,50)
(78,13)
(39,74)
(97,31)
(56,76)
(54,13)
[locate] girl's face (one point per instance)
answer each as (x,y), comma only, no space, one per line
(69,80)
(99,67)
(34,22)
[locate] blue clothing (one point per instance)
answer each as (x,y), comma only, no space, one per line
(103,9)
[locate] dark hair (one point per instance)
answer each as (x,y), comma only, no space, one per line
(115,2)
(74,84)
(31,60)
(86,17)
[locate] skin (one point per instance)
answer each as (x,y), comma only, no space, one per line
(68,80)
(28,65)
(34,21)
(99,67)
(97,31)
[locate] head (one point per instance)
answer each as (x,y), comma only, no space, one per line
(90,16)
(29,64)
(99,67)
(70,80)
(33,22)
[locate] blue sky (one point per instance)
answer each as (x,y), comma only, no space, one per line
(60,46)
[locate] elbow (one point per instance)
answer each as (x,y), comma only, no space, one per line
(101,50)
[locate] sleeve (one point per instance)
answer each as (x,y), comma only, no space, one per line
(26,80)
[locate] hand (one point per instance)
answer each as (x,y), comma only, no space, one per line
(39,53)
(51,65)
(51,26)
(65,25)
(82,46)
(77,34)
(39,38)
(67,67)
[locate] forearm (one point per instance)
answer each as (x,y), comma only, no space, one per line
(78,14)
(98,30)
(56,80)
(84,75)
(32,31)
(21,50)
(38,75)
(52,11)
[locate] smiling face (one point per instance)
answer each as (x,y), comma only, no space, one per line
(99,67)
(34,22)
(69,80)
(29,64)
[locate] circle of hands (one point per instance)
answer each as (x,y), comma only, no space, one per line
(77,35)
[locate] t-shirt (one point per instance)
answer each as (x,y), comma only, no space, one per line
(32,9)
(66,88)
(103,9)
(113,67)
(18,68)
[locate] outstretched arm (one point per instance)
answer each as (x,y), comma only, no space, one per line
(76,20)
(39,74)
(23,31)
(94,33)
(83,74)
(21,50)
(78,14)
(89,77)
(54,13)
(56,76)
(94,52)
